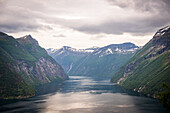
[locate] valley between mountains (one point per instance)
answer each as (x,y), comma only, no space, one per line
(24,65)
(141,69)
(95,61)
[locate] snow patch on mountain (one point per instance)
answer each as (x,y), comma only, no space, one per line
(109,51)
(124,48)
(162,31)
(79,50)
(98,52)
(60,52)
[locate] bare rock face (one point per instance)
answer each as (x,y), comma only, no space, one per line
(44,69)
(50,69)
(24,65)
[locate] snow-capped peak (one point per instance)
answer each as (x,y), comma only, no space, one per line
(118,50)
(27,37)
(106,52)
(80,50)
(109,51)
(162,31)
(51,49)
(69,49)
(124,48)
(165,28)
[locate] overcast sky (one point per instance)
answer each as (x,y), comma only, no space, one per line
(84,23)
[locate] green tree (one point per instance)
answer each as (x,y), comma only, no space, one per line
(164,97)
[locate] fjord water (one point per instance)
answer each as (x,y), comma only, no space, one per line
(83,94)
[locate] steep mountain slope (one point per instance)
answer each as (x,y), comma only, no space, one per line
(150,66)
(24,64)
(67,56)
(95,61)
(11,83)
(105,61)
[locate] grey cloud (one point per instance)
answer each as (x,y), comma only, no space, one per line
(100,36)
(135,26)
(18,24)
(46,27)
(60,35)
(17,18)
(21,15)
(12,28)
(143,5)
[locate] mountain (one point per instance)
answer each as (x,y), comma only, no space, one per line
(67,56)
(95,61)
(149,67)
(104,61)
(24,65)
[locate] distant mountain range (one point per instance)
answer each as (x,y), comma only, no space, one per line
(135,68)
(24,65)
(67,56)
(95,61)
(149,67)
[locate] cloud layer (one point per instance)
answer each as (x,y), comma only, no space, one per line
(84,20)
(90,16)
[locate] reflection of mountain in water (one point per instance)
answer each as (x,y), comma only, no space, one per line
(83,94)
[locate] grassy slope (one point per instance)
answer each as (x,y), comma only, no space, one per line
(13,48)
(66,61)
(34,50)
(148,73)
(104,66)
(11,83)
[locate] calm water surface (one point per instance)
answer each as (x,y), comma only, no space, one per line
(82,95)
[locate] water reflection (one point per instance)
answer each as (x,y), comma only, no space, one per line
(83,95)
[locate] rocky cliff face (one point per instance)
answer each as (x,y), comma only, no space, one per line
(149,68)
(44,69)
(24,63)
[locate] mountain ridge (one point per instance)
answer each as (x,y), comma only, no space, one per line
(80,60)
(149,67)
(27,65)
